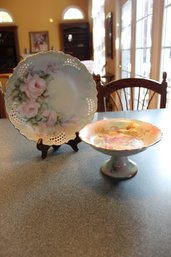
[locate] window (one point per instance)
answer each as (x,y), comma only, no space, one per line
(5,16)
(126,38)
(145,49)
(136,38)
(73,13)
(143,38)
(126,42)
(98,36)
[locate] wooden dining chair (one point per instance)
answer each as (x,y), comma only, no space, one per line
(131,94)
(2,106)
(3,81)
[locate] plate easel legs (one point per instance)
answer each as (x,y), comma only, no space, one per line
(44,148)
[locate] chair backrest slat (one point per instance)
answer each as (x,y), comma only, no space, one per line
(139,94)
(119,98)
(150,100)
(114,103)
(144,99)
(126,99)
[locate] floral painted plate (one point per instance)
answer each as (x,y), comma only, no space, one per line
(50,95)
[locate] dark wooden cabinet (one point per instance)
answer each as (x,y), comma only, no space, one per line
(9,48)
(75,39)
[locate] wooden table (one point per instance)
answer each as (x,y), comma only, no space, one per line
(63,206)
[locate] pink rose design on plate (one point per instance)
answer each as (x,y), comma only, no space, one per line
(29,109)
(51,118)
(33,86)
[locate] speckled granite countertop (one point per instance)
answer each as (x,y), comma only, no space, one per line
(63,206)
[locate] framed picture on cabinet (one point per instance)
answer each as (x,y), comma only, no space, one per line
(39,41)
(109,34)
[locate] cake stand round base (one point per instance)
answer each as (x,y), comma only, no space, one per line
(119,167)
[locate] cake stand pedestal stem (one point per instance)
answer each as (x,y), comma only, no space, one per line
(119,167)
